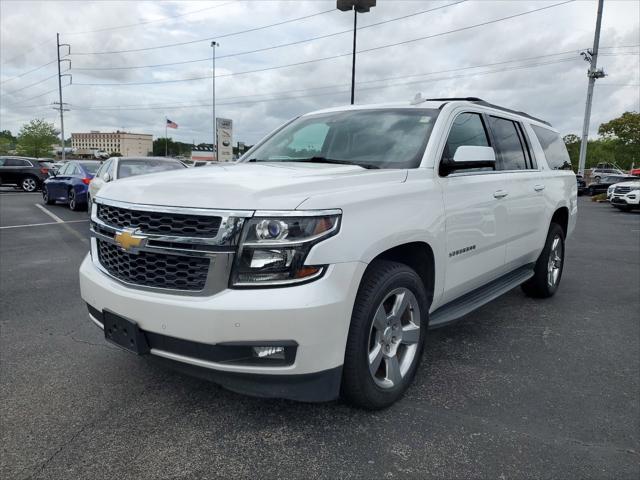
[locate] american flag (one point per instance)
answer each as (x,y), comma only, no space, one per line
(171,124)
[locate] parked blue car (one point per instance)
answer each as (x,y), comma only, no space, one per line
(70,184)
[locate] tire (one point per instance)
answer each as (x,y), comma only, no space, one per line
(29,183)
(592,192)
(89,204)
(73,200)
(45,196)
(548,269)
(395,347)
(596,179)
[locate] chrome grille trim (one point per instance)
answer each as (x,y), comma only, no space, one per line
(220,250)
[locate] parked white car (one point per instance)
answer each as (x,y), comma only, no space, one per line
(314,266)
(625,195)
(123,167)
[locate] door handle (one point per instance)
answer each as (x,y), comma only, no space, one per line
(500,194)
(538,188)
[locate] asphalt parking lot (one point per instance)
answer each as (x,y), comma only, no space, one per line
(520,389)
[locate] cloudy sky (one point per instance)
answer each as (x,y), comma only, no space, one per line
(530,62)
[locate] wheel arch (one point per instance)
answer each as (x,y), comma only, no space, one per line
(561,217)
(417,255)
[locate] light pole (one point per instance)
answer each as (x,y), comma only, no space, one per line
(214,44)
(358,6)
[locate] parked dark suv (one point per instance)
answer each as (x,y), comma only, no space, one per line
(26,173)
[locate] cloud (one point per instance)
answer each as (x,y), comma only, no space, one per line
(554,91)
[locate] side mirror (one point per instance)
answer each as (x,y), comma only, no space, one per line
(470,156)
(107,177)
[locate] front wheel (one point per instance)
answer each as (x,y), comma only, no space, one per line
(73,200)
(29,184)
(549,266)
(386,335)
(45,196)
(592,192)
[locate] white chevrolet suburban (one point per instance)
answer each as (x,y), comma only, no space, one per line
(313,267)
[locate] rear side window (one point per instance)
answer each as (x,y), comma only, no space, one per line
(554,148)
(17,162)
(509,144)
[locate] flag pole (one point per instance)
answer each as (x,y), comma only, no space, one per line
(166,139)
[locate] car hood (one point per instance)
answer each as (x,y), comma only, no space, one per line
(633,183)
(245,186)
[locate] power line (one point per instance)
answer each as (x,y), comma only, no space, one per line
(469,67)
(131,25)
(25,52)
(199,105)
(37,96)
(207,38)
(28,72)
(31,85)
(273,47)
(330,57)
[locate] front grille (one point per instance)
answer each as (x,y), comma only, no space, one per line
(160,223)
(622,190)
(154,270)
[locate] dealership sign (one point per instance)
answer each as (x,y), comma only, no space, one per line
(224,133)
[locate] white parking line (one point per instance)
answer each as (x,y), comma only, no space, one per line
(51,214)
(40,224)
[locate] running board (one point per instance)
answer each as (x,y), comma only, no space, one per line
(469,302)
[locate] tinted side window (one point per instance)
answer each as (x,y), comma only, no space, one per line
(509,144)
(16,162)
(554,148)
(467,129)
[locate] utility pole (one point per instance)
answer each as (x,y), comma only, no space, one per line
(593,73)
(60,104)
(214,44)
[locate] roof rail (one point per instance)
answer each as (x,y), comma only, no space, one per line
(484,103)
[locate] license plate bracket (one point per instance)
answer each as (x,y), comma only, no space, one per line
(124,333)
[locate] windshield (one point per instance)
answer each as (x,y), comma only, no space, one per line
(130,168)
(90,167)
(389,138)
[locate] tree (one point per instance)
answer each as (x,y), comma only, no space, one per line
(36,138)
(7,142)
(625,128)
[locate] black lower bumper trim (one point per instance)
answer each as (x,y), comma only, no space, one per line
(321,386)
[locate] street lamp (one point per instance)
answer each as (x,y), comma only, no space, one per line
(358,6)
(214,44)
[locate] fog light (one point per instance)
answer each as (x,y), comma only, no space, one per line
(269,352)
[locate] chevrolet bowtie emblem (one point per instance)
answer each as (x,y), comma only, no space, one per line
(128,240)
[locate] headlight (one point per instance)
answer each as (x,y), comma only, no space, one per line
(275,245)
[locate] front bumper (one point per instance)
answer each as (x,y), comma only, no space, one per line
(629,200)
(315,317)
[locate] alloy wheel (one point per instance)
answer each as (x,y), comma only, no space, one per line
(394,337)
(29,184)
(72,200)
(554,265)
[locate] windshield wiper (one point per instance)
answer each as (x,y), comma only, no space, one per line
(334,161)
